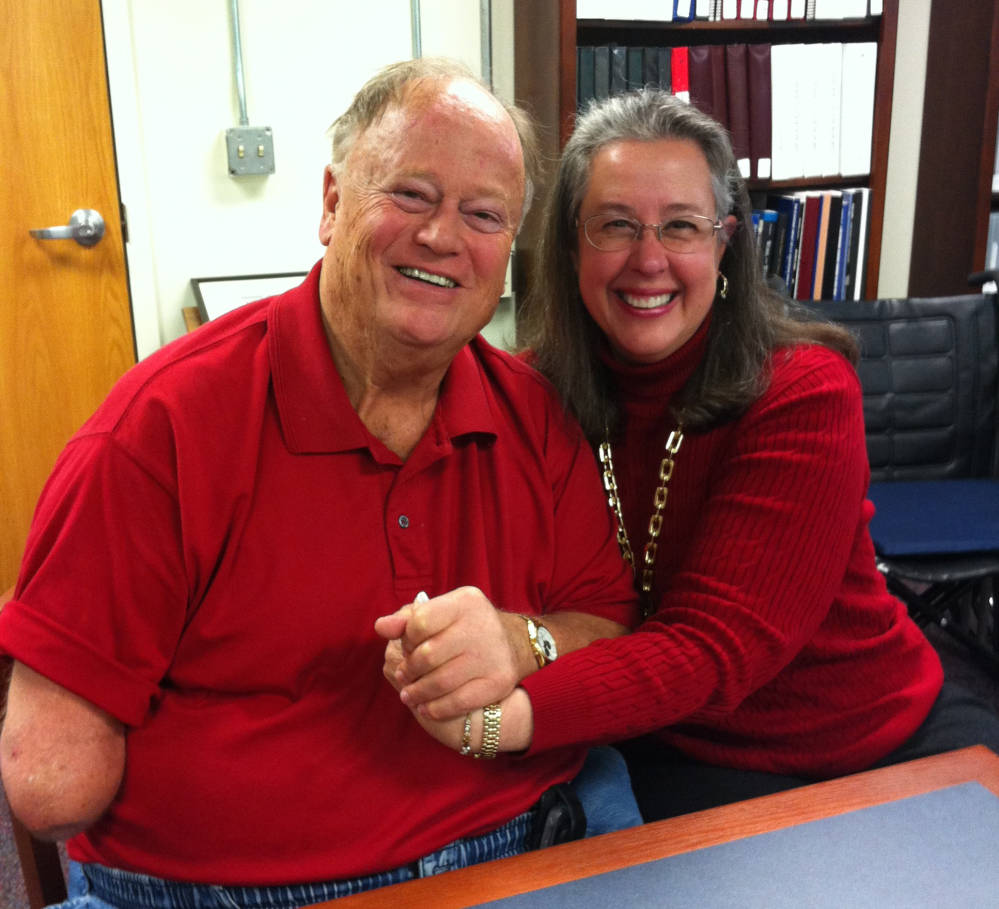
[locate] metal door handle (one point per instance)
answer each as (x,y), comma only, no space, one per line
(86,226)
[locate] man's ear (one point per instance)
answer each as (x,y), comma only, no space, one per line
(331,198)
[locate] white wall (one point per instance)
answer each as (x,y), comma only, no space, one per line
(903,149)
(173,95)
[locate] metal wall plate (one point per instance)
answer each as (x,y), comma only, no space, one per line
(250,149)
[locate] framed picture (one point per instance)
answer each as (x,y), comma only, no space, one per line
(216,296)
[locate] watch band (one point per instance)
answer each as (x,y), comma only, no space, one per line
(532,636)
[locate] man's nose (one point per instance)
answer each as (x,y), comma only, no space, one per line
(441,230)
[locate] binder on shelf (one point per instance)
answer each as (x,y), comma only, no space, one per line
(635,72)
(828,81)
(679,73)
(707,80)
(618,69)
(664,65)
(650,66)
(683,10)
(786,93)
(779,10)
(859,68)
(788,208)
(737,84)
(601,72)
(760,111)
(584,76)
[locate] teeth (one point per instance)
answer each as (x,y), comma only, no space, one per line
(421,275)
(647,302)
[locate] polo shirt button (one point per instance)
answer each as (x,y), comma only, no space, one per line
(403,521)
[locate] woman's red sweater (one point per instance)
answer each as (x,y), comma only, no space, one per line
(775,645)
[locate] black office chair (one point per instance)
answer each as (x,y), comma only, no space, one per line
(930,377)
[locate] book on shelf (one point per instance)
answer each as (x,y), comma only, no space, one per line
(821,246)
(862,226)
(811,218)
(788,207)
(843,245)
(834,203)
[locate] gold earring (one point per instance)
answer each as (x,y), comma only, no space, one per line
(723,290)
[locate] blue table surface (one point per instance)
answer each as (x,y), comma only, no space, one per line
(931,850)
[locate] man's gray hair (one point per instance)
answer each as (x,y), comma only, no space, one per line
(390,85)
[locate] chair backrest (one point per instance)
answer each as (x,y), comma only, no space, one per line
(929,373)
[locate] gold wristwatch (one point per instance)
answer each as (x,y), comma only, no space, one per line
(542,642)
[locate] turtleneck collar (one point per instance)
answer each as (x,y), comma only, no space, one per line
(647,388)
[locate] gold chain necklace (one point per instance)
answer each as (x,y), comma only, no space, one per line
(673,442)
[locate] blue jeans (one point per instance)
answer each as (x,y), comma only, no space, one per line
(602,786)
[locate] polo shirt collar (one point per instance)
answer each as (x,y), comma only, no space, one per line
(315,413)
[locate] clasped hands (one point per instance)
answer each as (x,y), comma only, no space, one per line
(453,654)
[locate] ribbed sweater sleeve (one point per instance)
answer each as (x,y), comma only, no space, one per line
(766,512)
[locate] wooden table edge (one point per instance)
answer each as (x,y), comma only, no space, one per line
(536,870)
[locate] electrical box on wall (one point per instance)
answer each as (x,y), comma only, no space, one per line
(250,149)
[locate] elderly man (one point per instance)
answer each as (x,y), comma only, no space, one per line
(197,699)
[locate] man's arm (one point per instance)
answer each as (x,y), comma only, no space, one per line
(459,652)
(61,757)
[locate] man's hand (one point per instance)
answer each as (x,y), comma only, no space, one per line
(454,653)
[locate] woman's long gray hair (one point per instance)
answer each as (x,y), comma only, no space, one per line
(746,326)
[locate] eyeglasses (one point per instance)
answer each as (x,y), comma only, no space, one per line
(683,234)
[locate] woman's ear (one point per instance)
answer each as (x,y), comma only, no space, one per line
(728,226)
(331,198)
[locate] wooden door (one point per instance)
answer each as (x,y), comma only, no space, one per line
(65,320)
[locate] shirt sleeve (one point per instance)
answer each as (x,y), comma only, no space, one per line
(768,552)
(101,599)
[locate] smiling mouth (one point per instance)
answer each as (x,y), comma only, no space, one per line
(428,277)
(653,302)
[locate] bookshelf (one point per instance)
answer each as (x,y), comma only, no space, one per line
(546,33)
(960,111)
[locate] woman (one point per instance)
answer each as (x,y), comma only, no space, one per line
(731,436)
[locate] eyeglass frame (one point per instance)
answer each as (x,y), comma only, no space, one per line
(716,226)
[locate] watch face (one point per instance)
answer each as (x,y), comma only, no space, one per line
(547,643)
